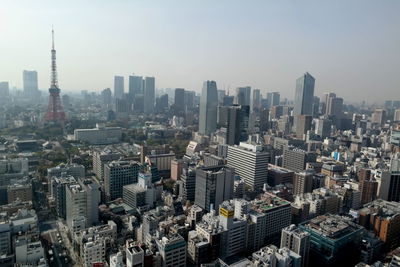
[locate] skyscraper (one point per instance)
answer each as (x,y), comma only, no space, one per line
(316,107)
(327,97)
(335,110)
(323,127)
(256,99)
(179,101)
(55,111)
(273,99)
(4,89)
(106,97)
(189,99)
(304,96)
(162,103)
(118,86)
(213,186)
(208,108)
(135,85)
(30,80)
(235,120)
(243,96)
(149,95)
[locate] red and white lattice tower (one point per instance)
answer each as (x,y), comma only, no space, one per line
(55,112)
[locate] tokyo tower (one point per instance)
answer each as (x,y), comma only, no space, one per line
(55,112)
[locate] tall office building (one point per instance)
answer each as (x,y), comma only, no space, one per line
(228,100)
(106,97)
(149,95)
(118,87)
(190,99)
(304,96)
(379,116)
(335,110)
(295,159)
(179,100)
(303,125)
(234,119)
(251,163)
(116,175)
(297,241)
(335,107)
(30,80)
(188,179)
(213,186)
(273,99)
(243,96)
(323,128)
(221,95)
(135,86)
(162,103)
(316,107)
(367,185)
(92,189)
(327,100)
(303,182)
(396,115)
(256,100)
(123,106)
(208,108)
(4,89)
(81,204)
(390,181)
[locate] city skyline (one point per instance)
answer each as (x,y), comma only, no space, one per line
(341,55)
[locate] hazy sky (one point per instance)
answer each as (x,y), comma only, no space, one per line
(350,47)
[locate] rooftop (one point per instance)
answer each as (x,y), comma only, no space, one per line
(266,202)
(331,226)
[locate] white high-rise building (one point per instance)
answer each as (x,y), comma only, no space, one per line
(172,249)
(81,204)
(296,240)
(118,87)
(76,207)
(396,115)
(93,198)
(208,108)
(250,163)
(30,79)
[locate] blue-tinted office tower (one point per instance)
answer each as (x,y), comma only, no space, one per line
(149,95)
(304,96)
(135,85)
(208,108)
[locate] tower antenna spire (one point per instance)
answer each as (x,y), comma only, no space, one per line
(52,37)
